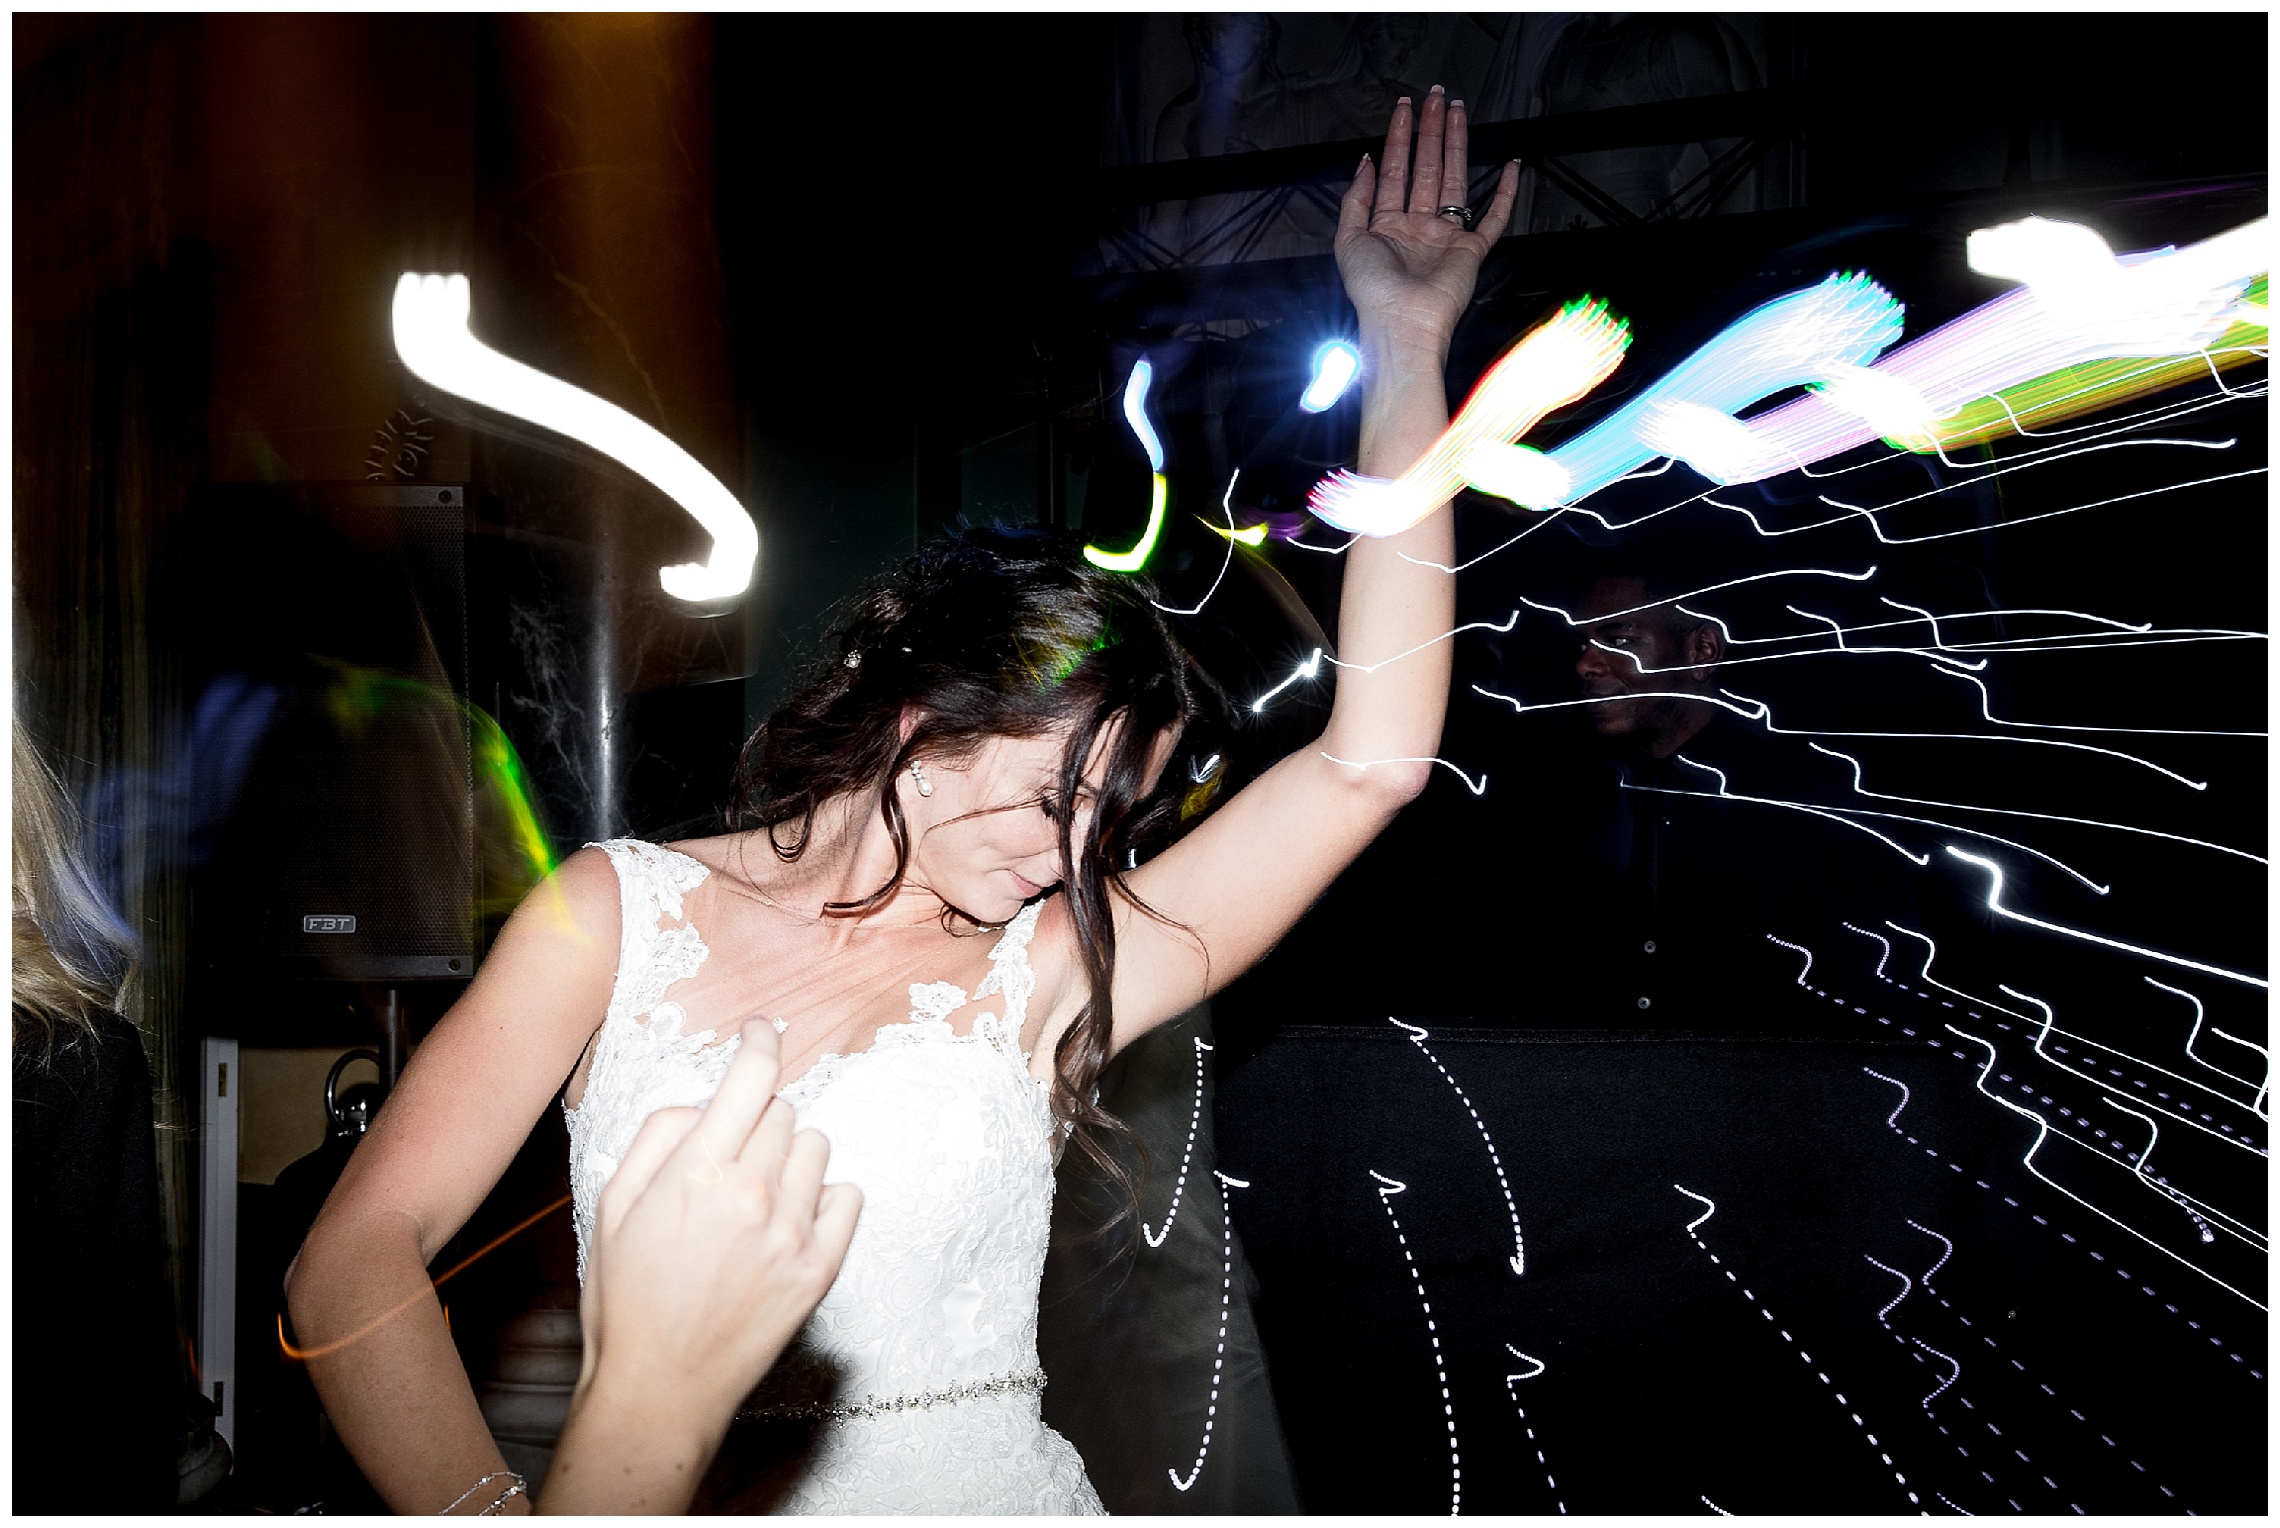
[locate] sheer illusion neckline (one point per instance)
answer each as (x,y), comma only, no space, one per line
(931,1003)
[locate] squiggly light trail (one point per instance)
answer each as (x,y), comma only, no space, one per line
(2043,1132)
(1556,363)
(1219,1357)
(1187,1156)
(1387,1188)
(1693,1229)
(1995,905)
(1417,1037)
(1510,1380)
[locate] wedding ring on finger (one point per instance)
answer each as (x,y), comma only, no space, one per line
(1464,215)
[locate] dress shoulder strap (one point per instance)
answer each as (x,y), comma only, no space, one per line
(651,881)
(1010,972)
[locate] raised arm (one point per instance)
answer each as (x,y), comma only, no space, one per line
(1242,878)
(366,1319)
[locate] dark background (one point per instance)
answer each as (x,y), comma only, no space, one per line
(882,274)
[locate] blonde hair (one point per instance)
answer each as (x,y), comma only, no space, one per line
(71,953)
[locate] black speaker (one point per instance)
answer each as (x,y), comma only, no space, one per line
(327,765)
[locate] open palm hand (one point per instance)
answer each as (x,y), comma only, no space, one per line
(1408,268)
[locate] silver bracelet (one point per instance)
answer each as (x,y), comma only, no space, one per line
(509,1494)
(519,1485)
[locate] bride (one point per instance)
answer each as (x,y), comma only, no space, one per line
(984,748)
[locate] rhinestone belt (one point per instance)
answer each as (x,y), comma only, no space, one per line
(1031,1383)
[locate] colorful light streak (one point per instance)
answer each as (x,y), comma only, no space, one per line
(1557,362)
(1801,337)
(2161,303)
(1995,905)
(435,345)
(1159,489)
(324,1349)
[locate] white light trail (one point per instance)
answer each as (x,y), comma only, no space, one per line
(2073,509)
(2057,726)
(1510,1380)
(1883,948)
(1518,1262)
(2183,1201)
(1219,1358)
(1907,1288)
(1765,713)
(2001,811)
(1731,583)
(1227,506)
(1995,905)
(432,339)
(1387,1188)
(1187,1156)
(2042,1038)
(1475,786)
(1892,1119)
(1800,949)
(1807,1358)
(2043,1131)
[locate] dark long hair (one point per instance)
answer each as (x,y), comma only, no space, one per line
(999,633)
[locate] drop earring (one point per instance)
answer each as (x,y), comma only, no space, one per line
(925,786)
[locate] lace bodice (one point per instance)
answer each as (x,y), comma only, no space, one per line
(951,1141)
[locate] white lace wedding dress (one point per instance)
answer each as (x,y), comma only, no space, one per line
(921,1363)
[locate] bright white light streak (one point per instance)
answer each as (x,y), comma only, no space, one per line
(1709,1207)
(1387,1188)
(1955,1371)
(1219,1358)
(2087,822)
(1136,412)
(1306,670)
(1199,773)
(1845,814)
(1475,786)
(435,345)
(1995,905)
(1931,953)
(1518,1262)
(1335,365)
(1187,1156)
(2043,1133)
(1227,506)
(2042,1038)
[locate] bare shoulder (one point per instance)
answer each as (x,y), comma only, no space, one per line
(721,853)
